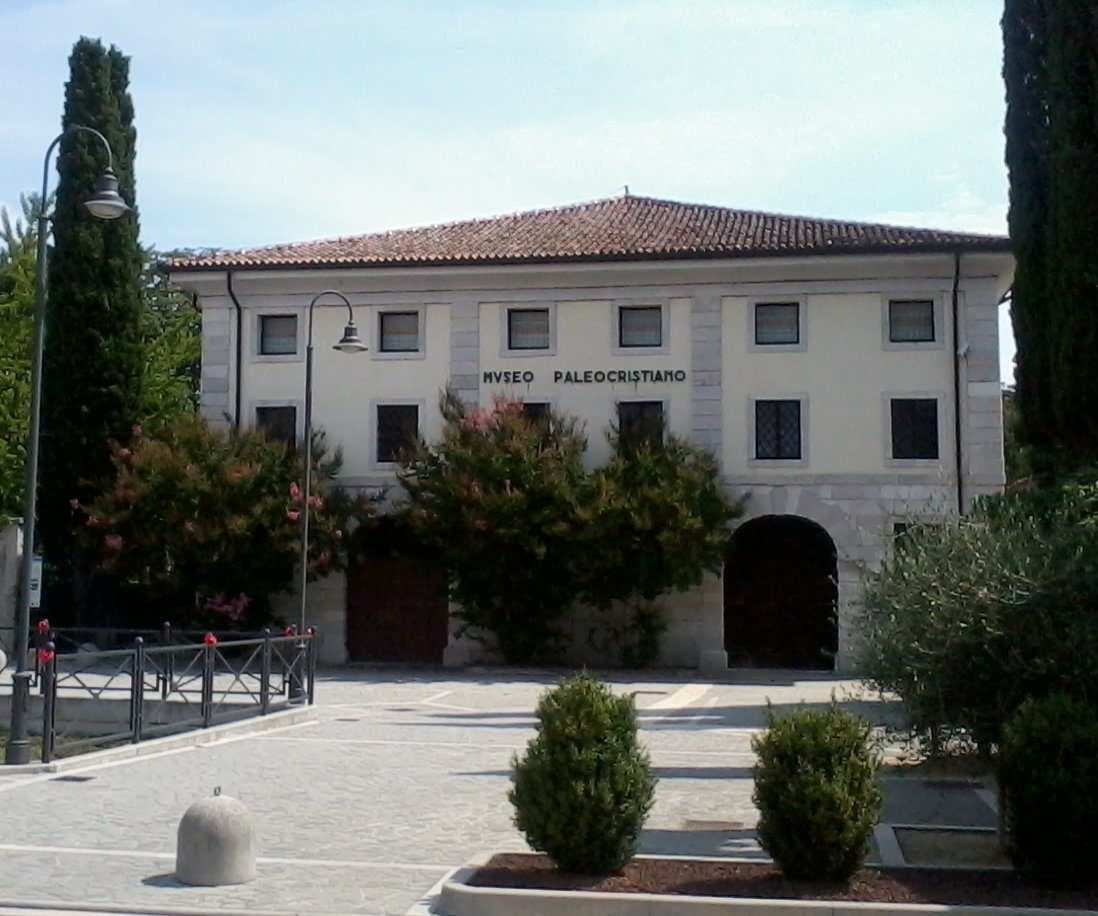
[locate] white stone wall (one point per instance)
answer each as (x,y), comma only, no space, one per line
(326,610)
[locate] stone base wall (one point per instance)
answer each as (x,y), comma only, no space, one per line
(326,610)
(857,512)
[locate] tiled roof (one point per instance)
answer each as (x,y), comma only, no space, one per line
(616,228)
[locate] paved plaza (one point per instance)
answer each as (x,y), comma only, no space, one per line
(400,778)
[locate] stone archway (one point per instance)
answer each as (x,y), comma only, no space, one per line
(781,595)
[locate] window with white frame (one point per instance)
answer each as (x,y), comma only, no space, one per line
(778,430)
(640,326)
(914,431)
(398,332)
(528,329)
(911,321)
(397,430)
(279,422)
(277,335)
(777,323)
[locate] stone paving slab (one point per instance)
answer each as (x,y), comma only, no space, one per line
(401,777)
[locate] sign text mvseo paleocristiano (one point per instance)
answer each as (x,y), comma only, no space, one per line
(587,376)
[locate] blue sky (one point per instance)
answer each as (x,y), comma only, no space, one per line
(275,120)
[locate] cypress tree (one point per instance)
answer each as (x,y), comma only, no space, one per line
(93,357)
(1073,225)
(1027,145)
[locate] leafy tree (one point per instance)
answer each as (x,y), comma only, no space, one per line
(501,501)
(93,355)
(1027,157)
(661,522)
(969,618)
(1050,67)
(527,531)
(171,331)
(207,524)
(17,258)
(1072,254)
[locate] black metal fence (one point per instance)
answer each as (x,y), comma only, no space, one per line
(103,698)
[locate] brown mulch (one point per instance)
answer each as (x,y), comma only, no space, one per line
(760,879)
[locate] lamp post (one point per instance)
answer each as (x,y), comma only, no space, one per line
(104,203)
(349,343)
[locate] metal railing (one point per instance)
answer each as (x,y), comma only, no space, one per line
(97,699)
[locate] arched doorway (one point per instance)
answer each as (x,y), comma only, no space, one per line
(397,605)
(781,595)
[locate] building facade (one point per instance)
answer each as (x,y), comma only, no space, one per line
(845,375)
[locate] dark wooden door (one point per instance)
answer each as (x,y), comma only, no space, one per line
(780,595)
(397,610)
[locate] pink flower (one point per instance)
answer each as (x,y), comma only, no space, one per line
(337,534)
(124,453)
(113,541)
(188,526)
(92,522)
(295,491)
(136,431)
(293,515)
(74,504)
(316,502)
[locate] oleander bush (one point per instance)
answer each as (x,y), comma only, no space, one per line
(584,787)
(816,791)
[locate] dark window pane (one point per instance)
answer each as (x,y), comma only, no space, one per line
(778,430)
(640,420)
(640,326)
(536,412)
(915,428)
(279,423)
(397,429)
(528,329)
(277,335)
(777,323)
(399,332)
(911,321)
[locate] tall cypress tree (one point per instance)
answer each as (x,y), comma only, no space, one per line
(1027,153)
(1073,226)
(92,365)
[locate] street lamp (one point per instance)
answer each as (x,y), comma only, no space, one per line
(349,343)
(104,203)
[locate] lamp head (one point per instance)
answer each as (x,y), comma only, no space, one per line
(350,342)
(105,201)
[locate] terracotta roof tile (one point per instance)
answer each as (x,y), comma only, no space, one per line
(616,228)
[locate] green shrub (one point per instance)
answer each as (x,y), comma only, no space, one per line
(967,619)
(1048,773)
(816,792)
(584,787)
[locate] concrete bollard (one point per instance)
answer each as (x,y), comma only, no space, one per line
(216,843)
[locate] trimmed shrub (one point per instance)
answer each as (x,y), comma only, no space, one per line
(584,787)
(1048,774)
(816,792)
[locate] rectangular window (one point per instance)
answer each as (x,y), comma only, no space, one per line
(536,412)
(279,423)
(397,429)
(528,329)
(399,332)
(640,326)
(911,321)
(914,428)
(277,335)
(778,430)
(777,323)
(640,420)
